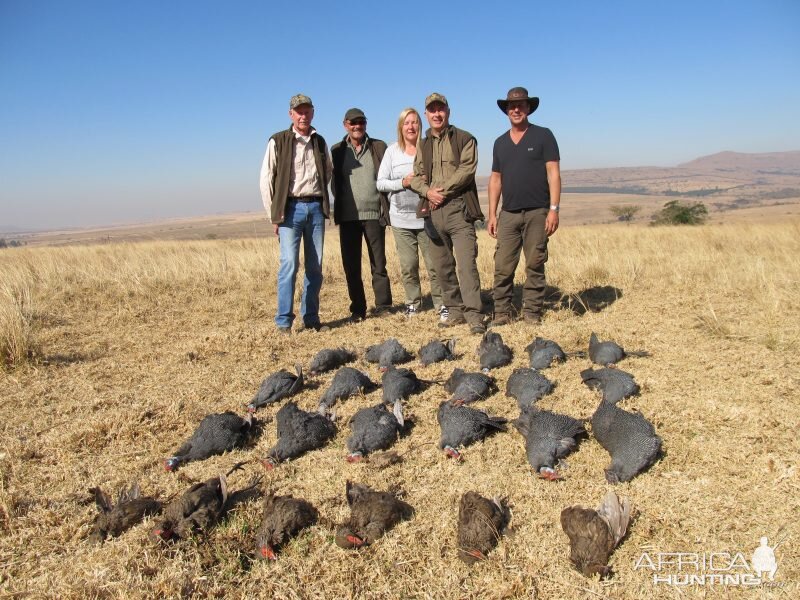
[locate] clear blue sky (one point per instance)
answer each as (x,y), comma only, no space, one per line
(116,112)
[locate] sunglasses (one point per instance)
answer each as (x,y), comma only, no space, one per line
(357,122)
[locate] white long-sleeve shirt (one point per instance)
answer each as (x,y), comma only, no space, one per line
(396,164)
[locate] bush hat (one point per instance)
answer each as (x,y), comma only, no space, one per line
(518,93)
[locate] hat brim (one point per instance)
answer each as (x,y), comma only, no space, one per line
(532,102)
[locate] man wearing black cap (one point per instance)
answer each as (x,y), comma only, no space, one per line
(294,187)
(525,170)
(361,211)
(444,178)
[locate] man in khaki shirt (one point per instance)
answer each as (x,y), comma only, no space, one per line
(444,177)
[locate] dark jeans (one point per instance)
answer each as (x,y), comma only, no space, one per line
(523,230)
(350,234)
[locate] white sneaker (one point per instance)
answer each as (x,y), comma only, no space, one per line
(443,313)
(411,310)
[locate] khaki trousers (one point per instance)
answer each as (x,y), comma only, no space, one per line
(410,243)
(457,252)
(522,230)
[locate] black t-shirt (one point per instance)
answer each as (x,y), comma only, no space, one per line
(522,167)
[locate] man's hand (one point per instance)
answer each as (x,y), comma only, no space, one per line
(551,223)
(275,227)
(435,197)
(491,226)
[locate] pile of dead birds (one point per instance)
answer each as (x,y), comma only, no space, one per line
(628,437)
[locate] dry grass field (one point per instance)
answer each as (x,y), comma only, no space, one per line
(114,353)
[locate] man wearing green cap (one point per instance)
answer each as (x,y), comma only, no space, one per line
(361,212)
(295,175)
(444,178)
(525,170)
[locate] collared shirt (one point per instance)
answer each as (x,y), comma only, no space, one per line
(304,180)
(445,174)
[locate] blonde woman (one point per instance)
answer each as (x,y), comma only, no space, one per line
(410,238)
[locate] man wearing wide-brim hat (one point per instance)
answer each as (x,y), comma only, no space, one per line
(526,173)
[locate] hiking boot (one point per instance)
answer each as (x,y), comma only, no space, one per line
(477,328)
(381,311)
(532,318)
(285,330)
(452,321)
(411,310)
(318,327)
(443,313)
(500,319)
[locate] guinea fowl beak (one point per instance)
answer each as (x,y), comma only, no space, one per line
(354,457)
(452,453)
(550,474)
(355,540)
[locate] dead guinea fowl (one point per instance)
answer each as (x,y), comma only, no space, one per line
(467,387)
(527,386)
(277,386)
(372,513)
(299,432)
(437,351)
(216,434)
(330,359)
(549,437)
(347,382)
(115,519)
(481,522)
(390,352)
(400,383)
(615,384)
(542,353)
(283,518)
(628,437)
(493,352)
(609,353)
(594,534)
(197,510)
(374,428)
(462,426)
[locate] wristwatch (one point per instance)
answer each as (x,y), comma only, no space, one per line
(554,207)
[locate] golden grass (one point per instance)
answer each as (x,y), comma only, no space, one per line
(133,344)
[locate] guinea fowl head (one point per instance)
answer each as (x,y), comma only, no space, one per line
(269,463)
(452,453)
(172,463)
(550,474)
(354,457)
(264,549)
(347,539)
(164,532)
